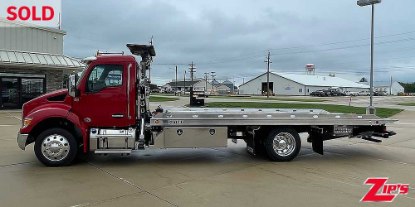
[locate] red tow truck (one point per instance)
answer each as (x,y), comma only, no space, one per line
(106,110)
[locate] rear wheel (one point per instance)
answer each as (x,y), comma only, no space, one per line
(56,147)
(283,144)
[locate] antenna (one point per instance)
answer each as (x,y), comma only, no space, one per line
(59,22)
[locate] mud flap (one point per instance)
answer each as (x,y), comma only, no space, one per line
(317,144)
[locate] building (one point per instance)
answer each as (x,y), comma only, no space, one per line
(389,88)
(297,84)
(223,89)
(198,85)
(31,62)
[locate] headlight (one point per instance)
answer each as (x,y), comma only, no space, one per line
(26,122)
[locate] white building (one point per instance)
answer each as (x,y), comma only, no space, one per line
(198,85)
(297,84)
(223,89)
(32,62)
(389,88)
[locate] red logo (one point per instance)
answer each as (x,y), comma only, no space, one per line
(382,192)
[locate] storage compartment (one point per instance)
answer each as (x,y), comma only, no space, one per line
(111,138)
(177,137)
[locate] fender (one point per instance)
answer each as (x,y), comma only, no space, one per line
(53,110)
(56,110)
(81,126)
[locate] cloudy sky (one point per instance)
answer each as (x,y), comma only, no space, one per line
(232,37)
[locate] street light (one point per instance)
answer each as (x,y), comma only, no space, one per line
(371,108)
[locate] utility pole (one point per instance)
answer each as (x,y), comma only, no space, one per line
(206,81)
(233,86)
(390,87)
(268,61)
(184,83)
(175,90)
(192,70)
(213,77)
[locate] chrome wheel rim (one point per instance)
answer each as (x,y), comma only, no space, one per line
(55,147)
(284,144)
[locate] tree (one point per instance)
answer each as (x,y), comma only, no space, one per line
(409,87)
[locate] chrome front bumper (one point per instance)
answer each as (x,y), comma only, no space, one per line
(21,140)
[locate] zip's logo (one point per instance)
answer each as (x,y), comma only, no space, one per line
(383,192)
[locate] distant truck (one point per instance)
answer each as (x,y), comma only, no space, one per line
(112,116)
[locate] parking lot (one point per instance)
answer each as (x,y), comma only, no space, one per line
(211,177)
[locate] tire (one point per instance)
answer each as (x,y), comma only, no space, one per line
(287,147)
(56,147)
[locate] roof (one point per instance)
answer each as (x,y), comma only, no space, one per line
(321,80)
(183,83)
(34,59)
(120,58)
(316,80)
(223,87)
(384,83)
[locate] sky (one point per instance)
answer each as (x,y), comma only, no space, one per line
(233,37)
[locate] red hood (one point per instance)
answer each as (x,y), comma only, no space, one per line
(41,100)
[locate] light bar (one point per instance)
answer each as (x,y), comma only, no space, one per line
(368,2)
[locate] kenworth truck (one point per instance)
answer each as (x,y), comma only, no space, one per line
(105,110)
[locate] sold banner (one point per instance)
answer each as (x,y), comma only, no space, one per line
(46,13)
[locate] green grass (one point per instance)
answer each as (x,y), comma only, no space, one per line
(162,99)
(407,104)
(273,98)
(290,99)
(381,112)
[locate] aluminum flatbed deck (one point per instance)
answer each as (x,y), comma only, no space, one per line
(240,116)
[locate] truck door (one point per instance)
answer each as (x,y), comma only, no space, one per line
(103,98)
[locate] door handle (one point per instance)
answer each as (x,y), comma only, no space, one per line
(117,116)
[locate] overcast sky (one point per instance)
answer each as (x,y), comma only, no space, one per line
(231,37)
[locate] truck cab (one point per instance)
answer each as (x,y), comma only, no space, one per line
(104,95)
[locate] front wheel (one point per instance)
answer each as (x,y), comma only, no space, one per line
(56,147)
(283,144)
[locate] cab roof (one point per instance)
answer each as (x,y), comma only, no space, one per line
(109,58)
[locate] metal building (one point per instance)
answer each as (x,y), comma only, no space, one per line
(31,62)
(297,84)
(389,88)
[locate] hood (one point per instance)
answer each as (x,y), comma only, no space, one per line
(54,96)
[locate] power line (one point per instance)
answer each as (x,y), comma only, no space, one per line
(309,51)
(215,61)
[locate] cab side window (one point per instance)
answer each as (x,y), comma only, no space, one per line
(103,76)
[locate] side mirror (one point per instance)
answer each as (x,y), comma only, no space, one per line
(72,90)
